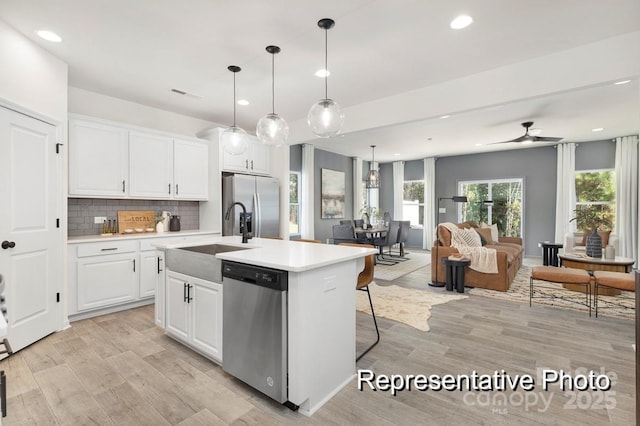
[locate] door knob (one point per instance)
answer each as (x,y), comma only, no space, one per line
(8,244)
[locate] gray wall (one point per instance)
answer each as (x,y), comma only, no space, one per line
(295,158)
(596,155)
(329,160)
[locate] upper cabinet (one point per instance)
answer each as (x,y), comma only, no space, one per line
(115,161)
(190,170)
(98,160)
(256,160)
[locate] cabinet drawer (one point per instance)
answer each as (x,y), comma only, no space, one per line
(149,243)
(108,247)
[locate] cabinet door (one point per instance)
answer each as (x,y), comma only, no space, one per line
(206,317)
(98,159)
(106,280)
(176,312)
(149,267)
(260,158)
(160,290)
(190,170)
(150,166)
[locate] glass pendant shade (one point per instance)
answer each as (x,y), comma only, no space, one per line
(234,140)
(373,179)
(272,130)
(325,118)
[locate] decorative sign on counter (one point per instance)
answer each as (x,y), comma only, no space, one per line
(136,221)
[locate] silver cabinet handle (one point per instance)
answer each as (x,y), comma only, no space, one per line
(169,188)
(122,185)
(251,164)
(134,265)
(246,164)
(177,191)
(109,249)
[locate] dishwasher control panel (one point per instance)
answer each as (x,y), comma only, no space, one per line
(258,275)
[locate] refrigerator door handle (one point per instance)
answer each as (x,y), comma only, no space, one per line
(257,216)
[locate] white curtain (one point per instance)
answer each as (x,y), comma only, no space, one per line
(308,193)
(565,190)
(357,188)
(398,189)
(429,219)
(627,196)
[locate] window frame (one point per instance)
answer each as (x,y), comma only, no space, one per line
(596,203)
(299,193)
(420,204)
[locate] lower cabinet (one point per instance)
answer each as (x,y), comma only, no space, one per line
(108,280)
(160,290)
(193,313)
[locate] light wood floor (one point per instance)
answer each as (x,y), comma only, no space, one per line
(121,369)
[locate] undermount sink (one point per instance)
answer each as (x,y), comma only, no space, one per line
(213,249)
(199,261)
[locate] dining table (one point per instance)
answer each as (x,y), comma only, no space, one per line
(371,234)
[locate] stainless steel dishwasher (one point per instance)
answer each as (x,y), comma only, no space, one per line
(254,343)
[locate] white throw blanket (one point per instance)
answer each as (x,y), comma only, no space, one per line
(482,259)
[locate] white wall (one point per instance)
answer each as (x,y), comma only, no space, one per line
(98,105)
(30,77)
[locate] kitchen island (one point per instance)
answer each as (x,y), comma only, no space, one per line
(320,310)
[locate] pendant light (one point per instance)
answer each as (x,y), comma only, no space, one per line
(234,138)
(373,176)
(325,118)
(272,129)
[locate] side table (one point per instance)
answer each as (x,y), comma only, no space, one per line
(455,273)
(550,253)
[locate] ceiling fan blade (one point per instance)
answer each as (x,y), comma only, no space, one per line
(545,139)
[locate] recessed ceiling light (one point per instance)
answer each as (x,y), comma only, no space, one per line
(49,36)
(461,22)
(322,73)
(445,116)
(478,144)
(618,83)
(243,102)
(597,129)
(397,154)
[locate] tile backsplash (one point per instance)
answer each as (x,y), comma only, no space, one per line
(82,211)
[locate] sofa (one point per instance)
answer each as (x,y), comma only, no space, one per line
(509,253)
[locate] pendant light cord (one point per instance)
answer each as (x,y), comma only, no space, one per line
(273,84)
(326,69)
(234,99)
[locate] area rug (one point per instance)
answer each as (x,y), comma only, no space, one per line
(391,272)
(519,292)
(408,306)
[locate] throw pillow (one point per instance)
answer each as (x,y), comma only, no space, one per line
(494,231)
(485,235)
(469,237)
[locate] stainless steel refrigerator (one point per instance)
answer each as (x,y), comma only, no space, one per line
(261,197)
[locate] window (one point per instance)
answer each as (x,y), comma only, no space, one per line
(595,200)
(413,202)
(507,209)
(294,203)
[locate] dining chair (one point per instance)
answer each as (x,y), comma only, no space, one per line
(362,283)
(343,234)
(402,238)
(388,238)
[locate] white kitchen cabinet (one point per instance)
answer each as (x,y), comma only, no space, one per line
(190,170)
(150,166)
(194,313)
(107,280)
(256,160)
(113,160)
(98,159)
(102,278)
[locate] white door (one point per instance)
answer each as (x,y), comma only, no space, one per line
(150,166)
(177,318)
(190,170)
(260,161)
(30,198)
(106,280)
(98,160)
(206,317)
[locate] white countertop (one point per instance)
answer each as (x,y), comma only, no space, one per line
(285,255)
(137,235)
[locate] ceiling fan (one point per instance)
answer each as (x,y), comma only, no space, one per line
(527,138)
